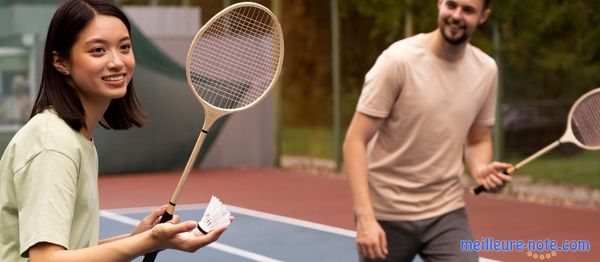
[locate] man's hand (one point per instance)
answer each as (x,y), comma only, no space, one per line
(492,177)
(370,238)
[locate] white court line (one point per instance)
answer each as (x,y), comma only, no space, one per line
(214,245)
(254,213)
(482,259)
(293,221)
(263,215)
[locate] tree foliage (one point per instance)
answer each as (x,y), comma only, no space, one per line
(550,48)
(545,49)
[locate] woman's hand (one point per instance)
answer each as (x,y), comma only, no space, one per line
(152,220)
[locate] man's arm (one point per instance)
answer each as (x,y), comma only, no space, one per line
(479,159)
(370,238)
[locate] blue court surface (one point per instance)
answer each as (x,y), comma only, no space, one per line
(253,236)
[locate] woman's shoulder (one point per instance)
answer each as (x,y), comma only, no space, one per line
(46,130)
(48,122)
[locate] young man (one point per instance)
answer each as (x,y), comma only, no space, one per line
(426,106)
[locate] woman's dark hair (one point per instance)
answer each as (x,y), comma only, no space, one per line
(68,21)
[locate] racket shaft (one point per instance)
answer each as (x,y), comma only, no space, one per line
(536,155)
(523,162)
(189,165)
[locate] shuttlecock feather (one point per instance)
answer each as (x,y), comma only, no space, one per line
(215,215)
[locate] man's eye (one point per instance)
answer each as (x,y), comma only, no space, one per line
(469,10)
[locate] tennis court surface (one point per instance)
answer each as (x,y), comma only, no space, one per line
(294,216)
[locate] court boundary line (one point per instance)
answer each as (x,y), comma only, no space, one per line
(215,245)
(253,213)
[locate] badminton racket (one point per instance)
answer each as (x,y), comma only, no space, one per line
(583,130)
(233,62)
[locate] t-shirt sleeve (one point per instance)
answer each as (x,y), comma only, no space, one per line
(381,87)
(487,114)
(46,190)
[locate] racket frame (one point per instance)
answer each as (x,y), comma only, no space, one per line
(212,113)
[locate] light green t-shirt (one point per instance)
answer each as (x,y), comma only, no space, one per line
(48,188)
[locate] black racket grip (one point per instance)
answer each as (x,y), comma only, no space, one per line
(481,188)
(478,190)
(152,255)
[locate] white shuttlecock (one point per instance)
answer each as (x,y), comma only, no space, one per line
(215,215)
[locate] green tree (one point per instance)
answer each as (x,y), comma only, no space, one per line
(550,47)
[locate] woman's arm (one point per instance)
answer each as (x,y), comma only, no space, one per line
(162,236)
(148,222)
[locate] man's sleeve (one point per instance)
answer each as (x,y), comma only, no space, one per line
(381,87)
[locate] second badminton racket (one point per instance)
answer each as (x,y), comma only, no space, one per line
(583,130)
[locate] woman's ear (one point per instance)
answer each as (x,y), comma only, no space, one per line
(60,64)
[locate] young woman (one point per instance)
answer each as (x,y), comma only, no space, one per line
(48,174)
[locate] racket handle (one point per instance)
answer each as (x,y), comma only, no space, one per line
(478,190)
(166,216)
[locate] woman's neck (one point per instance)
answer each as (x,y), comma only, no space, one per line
(94,111)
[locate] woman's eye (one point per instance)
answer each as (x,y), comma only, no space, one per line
(126,47)
(98,50)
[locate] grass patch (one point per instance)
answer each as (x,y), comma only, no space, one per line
(579,170)
(582,169)
(307,141)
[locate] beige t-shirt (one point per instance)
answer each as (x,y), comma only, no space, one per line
(429,105)
(48,188)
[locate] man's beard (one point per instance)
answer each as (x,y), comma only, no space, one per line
(454,40)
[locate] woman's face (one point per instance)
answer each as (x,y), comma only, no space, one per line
(102,62)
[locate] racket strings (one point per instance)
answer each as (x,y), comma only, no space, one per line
(226,93)
(252,26)
(586,121)
(234,62)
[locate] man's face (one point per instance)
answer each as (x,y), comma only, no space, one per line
(458,19)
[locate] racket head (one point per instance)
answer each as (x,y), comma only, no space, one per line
(235,58)
(583,122)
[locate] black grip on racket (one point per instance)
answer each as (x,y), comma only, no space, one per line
(166,217)
(152,255)
(481,188)
(478,190)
